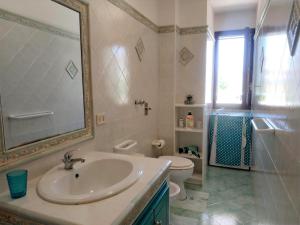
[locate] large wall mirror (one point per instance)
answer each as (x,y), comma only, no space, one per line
(45,81)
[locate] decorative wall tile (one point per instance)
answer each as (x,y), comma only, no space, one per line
(72,69)
(193,30)
(140,49)
(167,29)
(185,56)
(36,24)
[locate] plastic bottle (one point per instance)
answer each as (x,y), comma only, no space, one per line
(189,120)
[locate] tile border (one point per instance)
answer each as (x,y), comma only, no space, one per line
(193,30)
(36,24)
(123,5)
(166,29)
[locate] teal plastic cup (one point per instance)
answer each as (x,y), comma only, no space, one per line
(17,183)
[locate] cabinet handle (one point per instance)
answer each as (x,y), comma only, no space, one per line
(158,222)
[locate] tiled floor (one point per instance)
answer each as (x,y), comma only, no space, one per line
(231,200)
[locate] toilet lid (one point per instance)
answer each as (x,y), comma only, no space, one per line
(178,162)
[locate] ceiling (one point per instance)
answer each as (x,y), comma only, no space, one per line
(232,5)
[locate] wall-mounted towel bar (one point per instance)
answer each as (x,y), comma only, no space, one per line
(30,115)
(262,125)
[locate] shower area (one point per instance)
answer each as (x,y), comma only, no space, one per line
(230,139)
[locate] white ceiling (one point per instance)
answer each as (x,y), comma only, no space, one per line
(231,5)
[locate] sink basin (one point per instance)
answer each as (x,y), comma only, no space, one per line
(93,180)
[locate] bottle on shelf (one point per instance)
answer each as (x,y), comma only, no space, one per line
(181,123)
(189,120)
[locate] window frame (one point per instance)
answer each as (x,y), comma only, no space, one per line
(248,34)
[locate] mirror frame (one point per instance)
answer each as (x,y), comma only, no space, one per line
(22,154)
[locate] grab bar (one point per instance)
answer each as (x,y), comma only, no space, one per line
(30,115)
(262,125)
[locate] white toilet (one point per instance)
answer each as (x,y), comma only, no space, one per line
(174,191)
(173,195)
(181,169)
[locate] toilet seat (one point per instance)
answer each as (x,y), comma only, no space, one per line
(179,163)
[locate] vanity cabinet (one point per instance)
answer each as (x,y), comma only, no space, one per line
(157,210)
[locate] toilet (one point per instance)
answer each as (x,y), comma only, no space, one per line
(181,169)
(173,195)
(174,191)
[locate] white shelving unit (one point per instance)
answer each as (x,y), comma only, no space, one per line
(187,136)
(194,130)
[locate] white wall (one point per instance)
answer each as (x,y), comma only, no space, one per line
(210,16)
(192,13)
(44,11)
(233,20)
(261,5)
(166,12)
(148,8)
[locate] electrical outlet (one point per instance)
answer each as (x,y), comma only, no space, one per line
(100,119)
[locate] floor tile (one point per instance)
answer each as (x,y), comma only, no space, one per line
(231,200)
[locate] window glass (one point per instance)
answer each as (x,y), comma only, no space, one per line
(230,69)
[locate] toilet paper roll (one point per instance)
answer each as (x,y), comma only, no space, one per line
(159,144)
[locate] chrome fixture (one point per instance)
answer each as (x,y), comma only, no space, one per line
(139,102)
(69,162)
(143,103)
(146,108)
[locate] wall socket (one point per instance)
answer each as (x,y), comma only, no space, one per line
(100,119)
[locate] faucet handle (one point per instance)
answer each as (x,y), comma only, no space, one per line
(68,155)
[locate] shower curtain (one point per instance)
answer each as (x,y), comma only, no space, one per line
(230,140)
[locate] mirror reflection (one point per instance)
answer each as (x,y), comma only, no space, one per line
(41,83)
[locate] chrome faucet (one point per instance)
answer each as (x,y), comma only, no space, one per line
(69,162)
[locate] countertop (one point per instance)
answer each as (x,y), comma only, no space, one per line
(118,209)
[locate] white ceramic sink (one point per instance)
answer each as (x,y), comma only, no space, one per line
(93,180)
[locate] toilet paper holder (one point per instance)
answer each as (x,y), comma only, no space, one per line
(159,143)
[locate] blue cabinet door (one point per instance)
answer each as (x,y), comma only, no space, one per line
(157,211)
(148,219)
(161,211)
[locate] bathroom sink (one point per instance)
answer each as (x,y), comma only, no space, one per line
(93,180)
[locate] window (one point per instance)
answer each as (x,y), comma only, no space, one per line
(233,68)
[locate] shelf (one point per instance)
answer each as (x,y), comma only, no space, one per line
(190,106)
(189,156)
(195,179)
(193,130)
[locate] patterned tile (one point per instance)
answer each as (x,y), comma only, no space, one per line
(185,56)
(231,200)
(140,48)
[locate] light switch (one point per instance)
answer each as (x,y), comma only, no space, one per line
(100,119)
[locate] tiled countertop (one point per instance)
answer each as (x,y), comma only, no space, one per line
(122,208)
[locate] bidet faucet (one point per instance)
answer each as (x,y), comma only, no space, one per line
(69,162)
